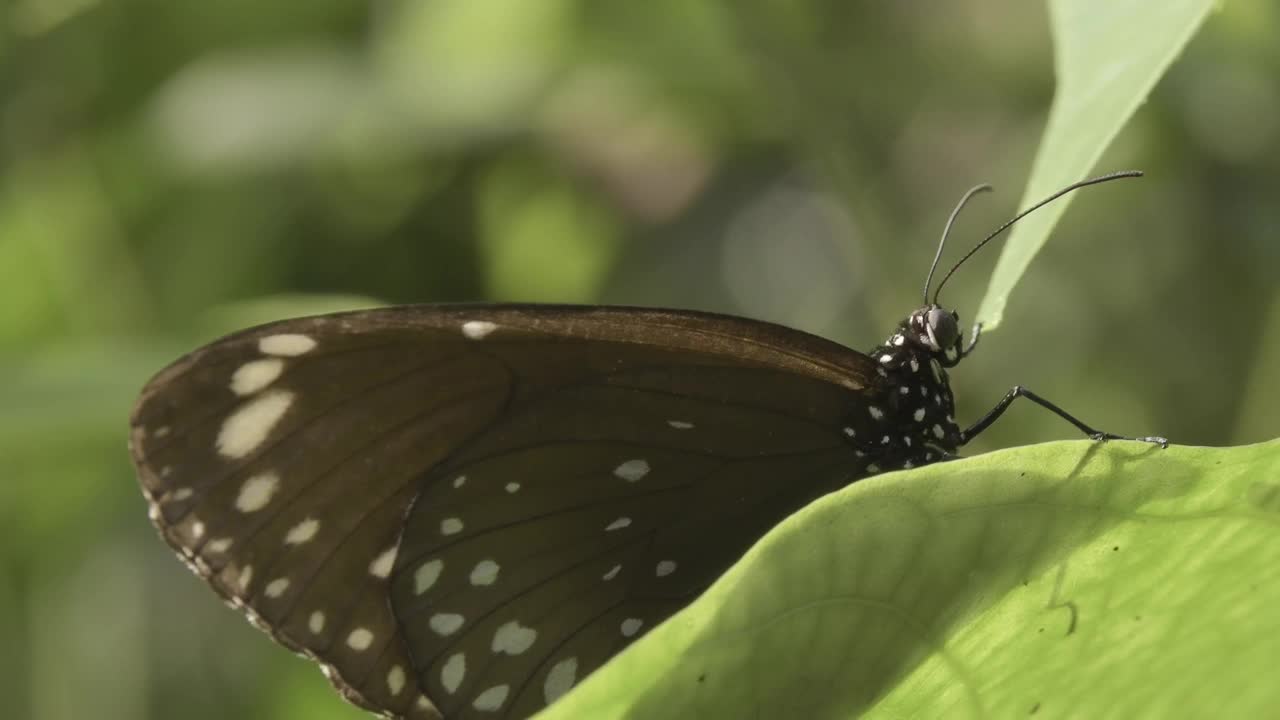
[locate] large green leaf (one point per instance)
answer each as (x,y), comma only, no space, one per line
(1109,54)
(1070,579)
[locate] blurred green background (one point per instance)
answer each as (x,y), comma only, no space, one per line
(170,171)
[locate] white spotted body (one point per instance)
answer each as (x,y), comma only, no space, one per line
(910,421)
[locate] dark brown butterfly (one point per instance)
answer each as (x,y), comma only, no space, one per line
(463,510)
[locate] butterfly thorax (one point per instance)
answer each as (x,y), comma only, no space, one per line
(911,420)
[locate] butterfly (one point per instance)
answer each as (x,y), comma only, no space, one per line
(462,510)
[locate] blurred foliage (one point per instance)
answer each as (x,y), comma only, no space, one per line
(173,170)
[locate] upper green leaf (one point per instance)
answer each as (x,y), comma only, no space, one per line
(1109,54)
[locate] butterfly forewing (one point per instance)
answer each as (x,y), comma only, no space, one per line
(281,468)
(467,509)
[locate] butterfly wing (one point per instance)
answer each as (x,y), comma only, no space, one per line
(466,509)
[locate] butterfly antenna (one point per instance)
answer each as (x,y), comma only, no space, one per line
(1075,186)
(947,231)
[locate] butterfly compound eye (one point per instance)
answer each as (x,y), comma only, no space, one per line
(942,328)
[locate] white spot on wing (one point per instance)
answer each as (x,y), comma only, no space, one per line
(426,575)
(315,623)
(251,423)
(218,546)
(256,492)
(631,626)
(484,573)
(455,668)
(618,524)
(918,414)
(459,481)
(491,699)
(680,424)
(381,565)
(613,572)
(632,470)
(665,568)
(395,680)
(255,375)
(360,639)
(182,493)
(513,639)
(513,487)
(937,431)
(246,577)
(477,329)
(560,679)
(450,526)
(286,344)
(302,532)
(445,623)
(276,588)
(876,412)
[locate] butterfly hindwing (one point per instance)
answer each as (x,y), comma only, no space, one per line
(514,583)
(467,509)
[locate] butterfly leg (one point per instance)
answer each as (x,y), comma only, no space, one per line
(1019,391)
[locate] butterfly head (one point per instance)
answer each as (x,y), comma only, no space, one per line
(935,330)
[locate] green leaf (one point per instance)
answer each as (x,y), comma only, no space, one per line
(1073,578)
(1109,55)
